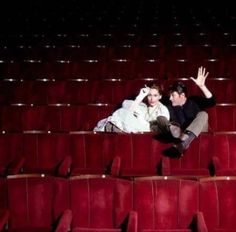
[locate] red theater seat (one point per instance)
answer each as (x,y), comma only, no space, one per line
(11,153)
(217,204)
(222,117)
(181,68)
(47,153)
(79,91)
(150,68)
(140,154)
(108,199)
(15,91)
(83,69)
(119,69)
(35,69)
(150,51)
(196,160)
(123,51)
(224,154)
(9,69)
(83,118)
(91,154)
(4,212)
(165,204)
(41,118)
(38,203)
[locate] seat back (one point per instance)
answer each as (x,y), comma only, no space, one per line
(91,153)
(224,152)
(218,202)
(44,153)
(197,158)
(108,199)
(218,116)
(165,204)
(33,201)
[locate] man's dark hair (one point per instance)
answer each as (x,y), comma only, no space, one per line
(178,87)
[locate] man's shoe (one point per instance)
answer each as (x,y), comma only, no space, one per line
(172,152)
(178,149)
(186,138)
(175,130)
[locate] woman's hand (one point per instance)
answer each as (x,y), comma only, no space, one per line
(143,93)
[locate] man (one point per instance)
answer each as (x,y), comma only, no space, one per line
(188,117)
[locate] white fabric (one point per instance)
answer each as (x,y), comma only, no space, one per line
(134,121)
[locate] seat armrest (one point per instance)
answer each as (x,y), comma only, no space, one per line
(16,167)
(65,166)
(165,166)
(4,215)
(64,224)
(132,222)
(216,163)
(201,225)
(115,166)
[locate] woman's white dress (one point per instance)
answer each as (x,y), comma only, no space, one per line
(134,121)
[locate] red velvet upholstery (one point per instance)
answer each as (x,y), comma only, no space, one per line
(3,194)
(56,92)
(181,68)
(79,91)
(229,86)
(165,205)
(120,68)
(83,69)
(224,154)
(218,116)
(47,153)
(140,154)
(215,66)
(123,51)
(100,204)
(32,69)
(92,154)
(52,118)
(123,154)
(83,91)
(14,91)
(150,68)
(11,153)
(197,158)
(36,203)
(83,117)
(11,118)
(218,204)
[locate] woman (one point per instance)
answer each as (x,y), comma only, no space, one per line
(136,116)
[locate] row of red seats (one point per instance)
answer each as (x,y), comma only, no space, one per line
(110,91)
(121,68)
(112,37)
(126,50)
(146,204)
(64,154)
(85,117)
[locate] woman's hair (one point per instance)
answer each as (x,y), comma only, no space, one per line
(157,87)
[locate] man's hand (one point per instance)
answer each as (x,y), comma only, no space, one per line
(201,77)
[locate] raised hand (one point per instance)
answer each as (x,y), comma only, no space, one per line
(143,93)
(201,77)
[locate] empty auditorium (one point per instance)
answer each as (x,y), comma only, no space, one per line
(66,66)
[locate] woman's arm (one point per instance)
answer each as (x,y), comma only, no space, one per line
(142,94)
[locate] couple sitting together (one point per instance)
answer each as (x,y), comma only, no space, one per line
(182,117)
